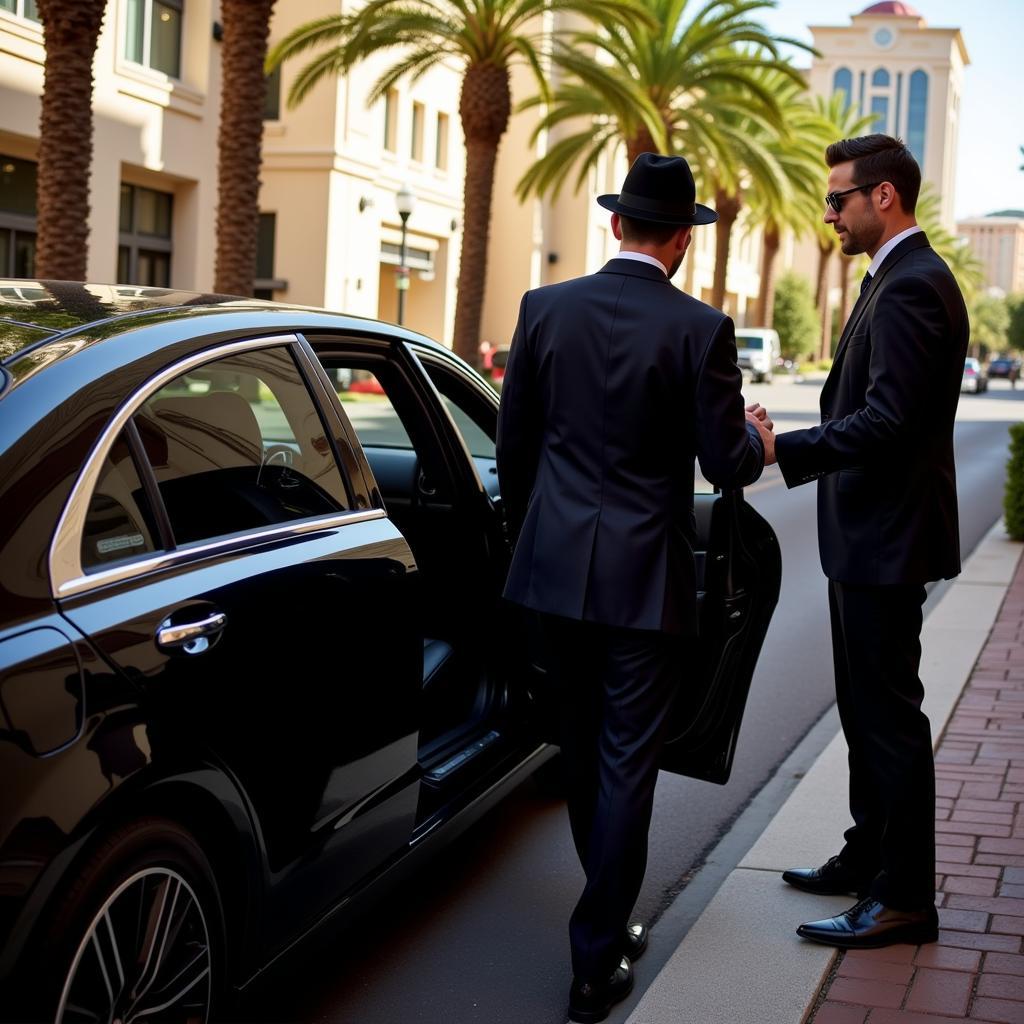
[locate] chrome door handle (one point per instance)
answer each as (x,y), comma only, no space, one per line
(192,637)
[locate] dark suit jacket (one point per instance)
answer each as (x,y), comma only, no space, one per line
(887,510)
(614,382)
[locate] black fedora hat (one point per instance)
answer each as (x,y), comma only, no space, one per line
(659,188)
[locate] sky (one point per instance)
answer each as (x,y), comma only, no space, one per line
(992,107)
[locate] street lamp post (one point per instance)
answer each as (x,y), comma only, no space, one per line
(405,200)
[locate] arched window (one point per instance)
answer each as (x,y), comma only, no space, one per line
(842,81)
(880,78)
(917,114)
(880,112)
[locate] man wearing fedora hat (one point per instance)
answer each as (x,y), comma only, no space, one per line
(615,383)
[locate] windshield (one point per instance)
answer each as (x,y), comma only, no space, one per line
(749,341)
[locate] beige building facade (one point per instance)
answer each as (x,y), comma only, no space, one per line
(998,241)
(908,76)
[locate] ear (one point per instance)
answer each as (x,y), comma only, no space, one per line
(683,238)
(887,196)
(617,227)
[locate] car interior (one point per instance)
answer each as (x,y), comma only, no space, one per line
(426,502)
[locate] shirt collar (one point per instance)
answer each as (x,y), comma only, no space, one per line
(879,259)
(641,257)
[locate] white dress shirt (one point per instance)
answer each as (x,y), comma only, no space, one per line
(641,257)
(889,246)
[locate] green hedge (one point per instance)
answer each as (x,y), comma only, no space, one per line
(1013,500)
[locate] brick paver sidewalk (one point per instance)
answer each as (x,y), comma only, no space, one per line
(975,972)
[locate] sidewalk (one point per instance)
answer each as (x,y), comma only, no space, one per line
(742,963)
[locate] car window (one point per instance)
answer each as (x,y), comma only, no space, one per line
(238,444)
(117,523)
(369,409)
(746,341)
(475,423)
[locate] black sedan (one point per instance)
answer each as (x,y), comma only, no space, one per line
(253,659)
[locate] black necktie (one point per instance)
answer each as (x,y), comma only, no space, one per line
(864,283)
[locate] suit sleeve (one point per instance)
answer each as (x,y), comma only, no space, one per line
(520,427)
(729,449)
(909,330)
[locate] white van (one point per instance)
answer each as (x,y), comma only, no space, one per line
(757,349)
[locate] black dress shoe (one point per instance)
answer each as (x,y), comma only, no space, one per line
(833,878)
(871,925)
(635,942)
(590,1002)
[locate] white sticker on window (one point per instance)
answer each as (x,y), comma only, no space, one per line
(128,540)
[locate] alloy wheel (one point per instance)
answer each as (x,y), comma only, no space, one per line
(145,957)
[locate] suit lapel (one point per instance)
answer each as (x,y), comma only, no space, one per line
(916,241)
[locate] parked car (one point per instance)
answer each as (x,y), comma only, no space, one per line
(758,352)
(253,660)
(1006,368)
(974,379)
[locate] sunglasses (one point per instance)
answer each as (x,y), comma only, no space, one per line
(835,199)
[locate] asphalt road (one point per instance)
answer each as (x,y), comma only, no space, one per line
(480,934)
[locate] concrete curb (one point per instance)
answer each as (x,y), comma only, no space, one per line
(741,962)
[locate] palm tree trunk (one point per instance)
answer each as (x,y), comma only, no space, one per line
(844,288)
(239,142)
(484,107)
(821,300)
(642,142)
(766,296)
(70,34)
(728,209)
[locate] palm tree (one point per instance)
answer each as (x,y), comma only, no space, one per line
(843,123)
(239,140)
(482,37)
(799,154)
(668,85)
(71,29)
(968,270)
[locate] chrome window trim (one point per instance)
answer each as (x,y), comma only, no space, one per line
(67,577)
(194,552)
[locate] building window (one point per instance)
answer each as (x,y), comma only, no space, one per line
(441,144)
(22,8)
(144,249)
(842,81)
(418,115)
(880,78)
(917,114)
(17,217)
(153,34)
(265,284)
(272,97)
(880,112)
(391,121)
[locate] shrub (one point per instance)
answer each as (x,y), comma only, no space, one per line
(1013,499)
(795,316)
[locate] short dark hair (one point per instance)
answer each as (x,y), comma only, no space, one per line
(880,158)
(647,232)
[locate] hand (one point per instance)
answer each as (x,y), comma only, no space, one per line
(758,410)
(765,432)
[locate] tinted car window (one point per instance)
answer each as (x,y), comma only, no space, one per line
(476,429)
(238,444)
(117,524)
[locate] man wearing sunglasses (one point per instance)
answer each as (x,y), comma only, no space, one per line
(887,524)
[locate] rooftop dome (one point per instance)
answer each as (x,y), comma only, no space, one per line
(889,7)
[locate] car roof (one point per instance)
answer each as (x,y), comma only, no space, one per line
(34,314)
(760,332)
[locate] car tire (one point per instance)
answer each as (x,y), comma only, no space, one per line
(147,890)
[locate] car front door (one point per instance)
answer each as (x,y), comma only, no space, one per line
(221,559)
(739,572)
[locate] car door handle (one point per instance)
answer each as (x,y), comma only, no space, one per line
(192,637)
